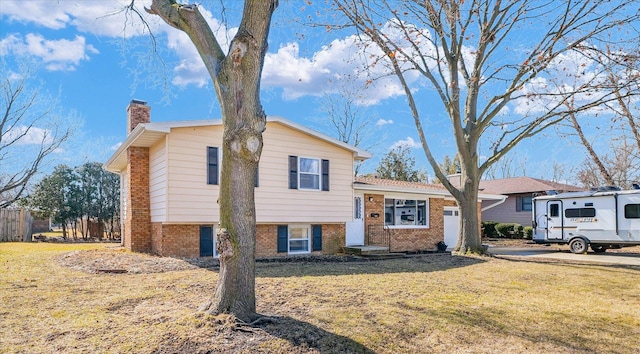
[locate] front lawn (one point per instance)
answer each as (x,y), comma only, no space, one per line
(428,303)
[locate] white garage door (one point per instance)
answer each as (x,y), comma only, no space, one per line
(451,225)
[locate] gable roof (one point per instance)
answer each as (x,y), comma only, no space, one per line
(147,134)
(524,185)
(387,185)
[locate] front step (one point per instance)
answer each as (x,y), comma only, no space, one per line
(384,255)
(365,250)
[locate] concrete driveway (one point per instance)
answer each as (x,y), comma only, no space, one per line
(625,259)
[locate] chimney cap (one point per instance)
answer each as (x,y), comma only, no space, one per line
(136,101)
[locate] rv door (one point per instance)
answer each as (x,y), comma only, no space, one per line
(555,223)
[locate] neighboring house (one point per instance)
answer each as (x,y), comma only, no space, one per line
(520,192)
(306,199)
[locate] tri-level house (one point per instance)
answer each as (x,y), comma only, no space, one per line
(307,200)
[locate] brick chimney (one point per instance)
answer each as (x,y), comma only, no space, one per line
(137,112)
(136,234)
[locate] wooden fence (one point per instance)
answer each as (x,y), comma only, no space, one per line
(15,225)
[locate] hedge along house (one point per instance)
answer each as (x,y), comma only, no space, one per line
(405,216)
(170,173)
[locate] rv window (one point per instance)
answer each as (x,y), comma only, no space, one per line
(554,210)
(580,213)
(632,211)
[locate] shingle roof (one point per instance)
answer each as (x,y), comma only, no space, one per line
(387,185)
(399,184)
(524,185)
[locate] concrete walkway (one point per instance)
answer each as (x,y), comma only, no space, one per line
(560,255)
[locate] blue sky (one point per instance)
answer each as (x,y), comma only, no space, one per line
(97,60)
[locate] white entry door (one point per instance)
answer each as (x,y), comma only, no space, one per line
(355,228)
(451,226)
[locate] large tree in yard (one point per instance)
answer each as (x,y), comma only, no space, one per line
(490,65)
(236,77)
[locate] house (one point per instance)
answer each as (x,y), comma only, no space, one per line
(519,191)
(407,216)
(307,201)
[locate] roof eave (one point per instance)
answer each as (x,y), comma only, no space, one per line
(434,192)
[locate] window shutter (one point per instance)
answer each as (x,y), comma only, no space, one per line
(325,175)
(283,238)
(293,172)
(212,165)
(316,233)
(256,183)
(518,203)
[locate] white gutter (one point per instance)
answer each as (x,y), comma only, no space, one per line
(504,197)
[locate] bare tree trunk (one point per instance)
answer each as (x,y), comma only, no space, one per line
(236,77)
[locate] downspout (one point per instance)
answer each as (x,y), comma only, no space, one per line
(504,197)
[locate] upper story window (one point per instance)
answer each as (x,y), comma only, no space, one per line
(405,212)
(308,173)
(213,167)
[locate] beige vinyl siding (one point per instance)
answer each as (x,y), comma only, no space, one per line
(158,181)
(275,202)
(190,198)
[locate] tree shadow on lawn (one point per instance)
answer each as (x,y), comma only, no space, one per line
(304,335)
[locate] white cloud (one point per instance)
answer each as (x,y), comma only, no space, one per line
(105,18)
(382,122)
(191,70)
(408,142)
(23,135)
(115,146)
(342,60)
(62,54)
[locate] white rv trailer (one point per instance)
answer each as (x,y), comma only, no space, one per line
(601,219)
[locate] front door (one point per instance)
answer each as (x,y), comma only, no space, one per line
(355,228)
(555,223)
(451,226)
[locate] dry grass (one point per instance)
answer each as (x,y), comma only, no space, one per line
(429,303)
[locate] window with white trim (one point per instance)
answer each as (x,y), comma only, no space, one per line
(309,173)
(299,238)
(405,212)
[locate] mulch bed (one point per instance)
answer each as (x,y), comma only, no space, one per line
(117,260)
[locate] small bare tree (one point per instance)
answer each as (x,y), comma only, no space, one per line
(31,130)
(347,120)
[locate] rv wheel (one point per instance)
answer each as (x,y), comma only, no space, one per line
(598,248)
(578,245)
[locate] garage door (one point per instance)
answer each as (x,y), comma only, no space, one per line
(451,226)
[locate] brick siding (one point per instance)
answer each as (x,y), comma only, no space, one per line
(137,227)
(177,240)
(408,240)
(333,236)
